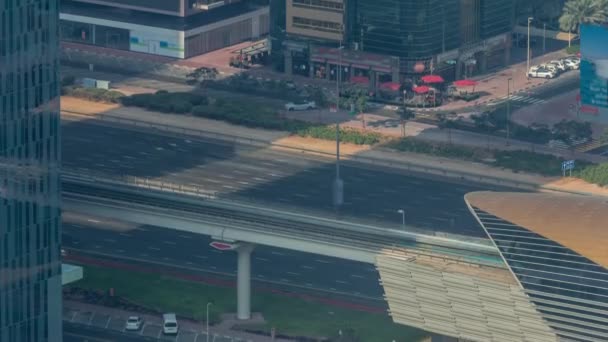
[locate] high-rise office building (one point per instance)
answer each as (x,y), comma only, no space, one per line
(387,38)
(30,225)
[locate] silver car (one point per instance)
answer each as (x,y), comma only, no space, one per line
(308,105)
(134,323)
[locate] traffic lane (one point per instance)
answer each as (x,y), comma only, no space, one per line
(372,194)
(190,250)
(137,154)
(81,333)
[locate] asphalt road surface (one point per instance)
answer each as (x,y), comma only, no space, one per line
(271,177)
(188,252)
(564,83)
(80,333)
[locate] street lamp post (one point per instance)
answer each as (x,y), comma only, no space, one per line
(528,56)
(207,321)
(338,193)
(402,212)
(508,109)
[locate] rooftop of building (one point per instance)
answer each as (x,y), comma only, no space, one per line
(579,223)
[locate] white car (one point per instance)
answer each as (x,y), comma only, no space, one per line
(551,67)
(559,64)
(541,72)
(134,323)
(308,105)
(572,63)
(170,326)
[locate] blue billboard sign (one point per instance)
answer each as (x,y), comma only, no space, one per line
(594,73)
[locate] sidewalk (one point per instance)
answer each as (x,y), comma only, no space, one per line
(493,85)
(190,331)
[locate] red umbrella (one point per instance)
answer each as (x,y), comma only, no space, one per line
(465,83)
(394,86)
(432,79)
(421,90)
(359,79)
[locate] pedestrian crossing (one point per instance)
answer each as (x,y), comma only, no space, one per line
(519,98)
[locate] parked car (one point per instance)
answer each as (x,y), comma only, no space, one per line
(550,67)
(170,326)
(572,63)
(559,64)
(134,323)
(307,105)
(541,72)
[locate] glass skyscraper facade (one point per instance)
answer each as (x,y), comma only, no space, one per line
(568,289)
(30,224)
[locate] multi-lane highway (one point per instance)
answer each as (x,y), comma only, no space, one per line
(191,253)
(276,178)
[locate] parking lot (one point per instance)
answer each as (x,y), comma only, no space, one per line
(152,327)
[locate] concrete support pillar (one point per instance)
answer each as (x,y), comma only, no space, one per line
(243,281)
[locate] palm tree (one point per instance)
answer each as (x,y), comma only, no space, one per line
(577,12)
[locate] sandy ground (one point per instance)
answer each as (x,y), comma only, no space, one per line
(324,146)
(86,107)
(578,185)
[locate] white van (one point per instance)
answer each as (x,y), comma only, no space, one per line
(170,324)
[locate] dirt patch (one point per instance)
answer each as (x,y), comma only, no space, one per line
(578,185)
(72,104)
(324,146)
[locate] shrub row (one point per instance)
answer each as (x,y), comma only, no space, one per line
(93,94)
(348,135)
(163,101)
(596,174)
(439,149)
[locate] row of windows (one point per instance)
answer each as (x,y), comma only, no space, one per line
(331,5)
(318,25)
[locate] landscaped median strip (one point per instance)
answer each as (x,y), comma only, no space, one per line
(291,314)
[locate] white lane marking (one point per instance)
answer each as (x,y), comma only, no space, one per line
(169,242)
(189,263)
(109,240)
(115,161)
(293,273)
(100,165)
(125,234)
(274,174)
(201,256)
(93,221)
(301,195)
(97,246)
(323,261)
(143,255)
(159,148)
(308,284)
(259,179)
(243,182)
(128,157)
(357,276)
(165,258)
(153,248)
(261,259)
(284,280)
(341,282)
(260,276)
(307,267)
(213,267)
(331,288)
(120,250)
(277,253)
(183,236)
(172,144)
(227,187)
(143,153)
(227,176)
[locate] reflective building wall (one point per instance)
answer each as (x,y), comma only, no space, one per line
(30,268)
(568,289)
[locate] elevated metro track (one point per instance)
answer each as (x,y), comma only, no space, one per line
(446,286)
(231,220)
